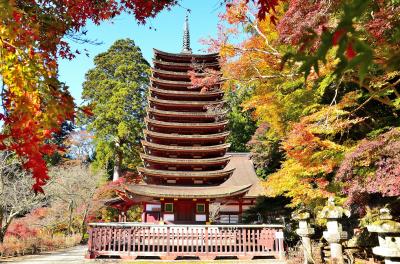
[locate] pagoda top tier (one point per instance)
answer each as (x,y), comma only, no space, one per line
(184,57)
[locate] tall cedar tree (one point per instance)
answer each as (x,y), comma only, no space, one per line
(115,89)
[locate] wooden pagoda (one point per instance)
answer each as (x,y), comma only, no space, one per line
(186,165)
(186,170)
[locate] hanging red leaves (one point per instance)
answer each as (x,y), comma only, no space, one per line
(35,103)
(267,7)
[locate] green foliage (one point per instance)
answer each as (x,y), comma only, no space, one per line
(266,151)
(267,210)
(59,139)
(115,89)
(241,124)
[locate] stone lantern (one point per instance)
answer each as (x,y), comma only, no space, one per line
(305,232)
(334,233)
(388,236)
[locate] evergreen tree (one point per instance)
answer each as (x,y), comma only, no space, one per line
(115,89)
(241,124)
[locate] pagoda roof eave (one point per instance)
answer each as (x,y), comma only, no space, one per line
(184,93)
(186,148)
(178,161)
(187,103)
(170,83)
(185,174)
(185,125)
(184,114)
(160,191)
(182,65)
(175,73)
(174,83)
(186,137)
(186,55)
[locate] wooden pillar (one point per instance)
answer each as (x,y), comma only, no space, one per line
(207,210)
(162,202)
(144,214)
(240,210)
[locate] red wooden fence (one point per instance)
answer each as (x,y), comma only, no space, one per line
(130,240)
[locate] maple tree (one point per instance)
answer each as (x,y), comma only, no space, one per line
(72,187)
(32,37)
(322,78)
(373,167)
(16,194)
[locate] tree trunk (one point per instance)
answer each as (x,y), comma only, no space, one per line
(117,166)
(2,235)
(4,227)
(70,219)
(83,225)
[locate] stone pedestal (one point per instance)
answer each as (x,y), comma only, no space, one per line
(334,233)
(388,236)
(305,232)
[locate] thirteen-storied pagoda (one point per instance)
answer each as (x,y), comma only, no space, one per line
(186,164)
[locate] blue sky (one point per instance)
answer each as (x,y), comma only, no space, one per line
(167,37)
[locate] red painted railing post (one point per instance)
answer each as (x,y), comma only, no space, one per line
(206,239)
(89,254)
(280,243)
(168,240)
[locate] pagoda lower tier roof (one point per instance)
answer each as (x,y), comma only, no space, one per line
(185,174)
(185,114)
(183,103)
(243,182)
(177,161)
(182,65)
(197,149)
(183,137)
(186,125)
(189,192)
(189,93)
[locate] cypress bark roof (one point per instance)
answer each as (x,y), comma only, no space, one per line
(190,56)
(244,174)
(162,160)
(185,174)
(189,192)
(185,93)
(182,125)
(184,137)
(188,103)
(183,65)
(243,181)
(185,114)
(186,148)
(170,82)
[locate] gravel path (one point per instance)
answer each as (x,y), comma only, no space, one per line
(71,255)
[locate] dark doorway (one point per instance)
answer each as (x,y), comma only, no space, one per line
(184,211)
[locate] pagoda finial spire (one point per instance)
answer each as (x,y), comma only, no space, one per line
(186,36)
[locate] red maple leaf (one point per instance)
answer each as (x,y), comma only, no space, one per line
(337,35)
(350,52)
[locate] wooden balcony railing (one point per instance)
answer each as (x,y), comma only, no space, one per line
(130,240)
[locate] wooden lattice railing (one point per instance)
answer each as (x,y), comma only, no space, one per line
(129,240)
